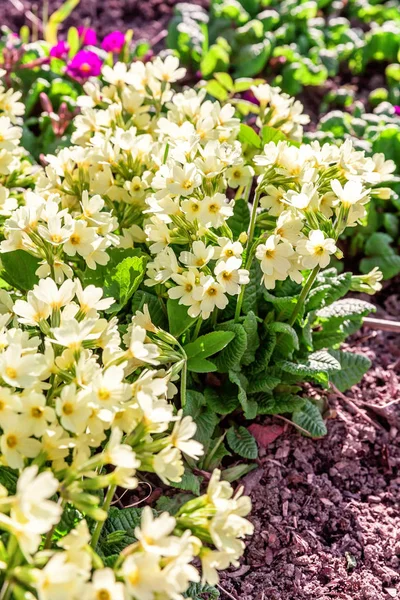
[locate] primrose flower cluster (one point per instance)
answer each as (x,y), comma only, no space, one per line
(169,168)
(75,398)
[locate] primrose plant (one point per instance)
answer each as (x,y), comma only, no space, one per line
(86,409)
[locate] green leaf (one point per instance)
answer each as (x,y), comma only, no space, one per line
(247,135)
(240,220)
(289,340)
(205,418)
(389,265)
(252,58)
(264,352)
(280,404)
(189,482)
(317,366)
(222,400)
(69,519)
(178,318)
(242,442)
(200,365)
(353,368)
(208,344)
(120,277)
(231,355)
(215,89)
(309,418)
(9,478)
(262,382)
(118,530)
(253,289)
(345,309)
(249,406)
(225,79)
(55,20)
(250,325)
(20,269)
(237,472)
(199,591)
(270,134)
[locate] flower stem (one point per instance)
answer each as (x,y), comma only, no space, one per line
(99,525)
(183,383)
(304,293)
(197,329)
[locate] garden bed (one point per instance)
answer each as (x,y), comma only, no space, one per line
(326,513)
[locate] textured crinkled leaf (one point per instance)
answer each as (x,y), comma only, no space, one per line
(328,339)
(330,290)
(189,482)
(309,418)
(284,305)
(317,366)
(279,404)
(223,400)
(242,442)
(230,357)
(262,382)
(19,269)
(253,289)
(249,406)
(264,353)
(250,325)
(345,309)
(9,478)
(199,591)
(353,368)
(288,339)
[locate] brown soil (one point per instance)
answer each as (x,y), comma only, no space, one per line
(148,18)
(327,512)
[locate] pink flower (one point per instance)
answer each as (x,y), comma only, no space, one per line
(84,64)
(113,42)
(87,36)
(60,50)
(396,110)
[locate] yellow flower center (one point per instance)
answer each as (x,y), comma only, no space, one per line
(319,250)
(68,408)
(103,394)
(12,440)
(2,405)
(11,372)
(213,208)
(188,287)
(269,253)
(211,291)
(56,238)
(187,184)
(37,412)
(103,595)
(75,239)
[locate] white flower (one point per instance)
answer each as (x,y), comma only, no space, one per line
(48,292)
(214,210)
(16,443)
(168,465)
(181,437)
(187,283)
(59,579)
(104,587)
(21,370)
(230,275)
(73,409)
(167,70)
(139,350)
(199,257)
(316,250)
(184,180)
(120,455)
(81,239)
(274,255)
(210,294)
(351,193)
(142,576)
(154,534)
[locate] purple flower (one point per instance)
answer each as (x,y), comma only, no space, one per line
(87,36)
(84,64)
(60,50)
(113,42)
(396,110)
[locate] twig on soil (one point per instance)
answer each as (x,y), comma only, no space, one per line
(307,433)
(28,13)
(357,409)
(381,324)
(231,596)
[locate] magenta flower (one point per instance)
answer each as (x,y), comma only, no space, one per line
(113,42)
(84,64)
(60,50)
(87,36)
(396,110)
